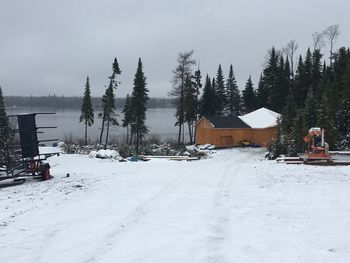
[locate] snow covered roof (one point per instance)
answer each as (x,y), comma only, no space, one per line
(261,118)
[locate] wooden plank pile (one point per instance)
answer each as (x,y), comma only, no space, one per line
(304,159)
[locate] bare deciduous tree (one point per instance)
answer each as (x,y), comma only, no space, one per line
(181,73)
(331,33)
(318,40)
(290,50)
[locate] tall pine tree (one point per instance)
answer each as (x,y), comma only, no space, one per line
(87,112)
(220,92)
(138,103)
(6,134)
(325,121)
(190,106)
(198,86)
(311,108)
(127,117)
(268,83)
(249,98)
(288,113)
(108,114)
(233,98)
(207,102)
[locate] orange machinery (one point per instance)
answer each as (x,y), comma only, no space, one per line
(317,148)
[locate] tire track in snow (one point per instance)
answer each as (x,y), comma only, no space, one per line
(131,220)
(221,218)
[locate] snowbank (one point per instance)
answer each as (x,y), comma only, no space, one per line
(234,207)
(104,154)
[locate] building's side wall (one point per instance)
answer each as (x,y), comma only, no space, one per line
(221,137)
(204,123)
(205,133)
(204,136)
(237,135)
(263,136)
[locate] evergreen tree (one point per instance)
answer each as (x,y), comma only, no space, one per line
(310,110)
(207,102)
(197,85)
(190,106)
(280,87)
(138,103)
(220,92)
(299,87)
(108,103)
(343,124)
(277,145)
(346,79)
(87,112)
(268,84)
(325,121)
(127,117)
(307,81)
(338,85)
(295,142)
(343,109)
(262,93)
(6,134)
(288,113)
(288,71)
(249,99)
(316,73)
(233,98)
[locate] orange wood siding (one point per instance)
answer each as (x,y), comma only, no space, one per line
(263,136)
(205,133)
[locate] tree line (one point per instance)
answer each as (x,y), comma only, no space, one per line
(310,90)
(217,97)
(64,102)
(134,110)
(317,94)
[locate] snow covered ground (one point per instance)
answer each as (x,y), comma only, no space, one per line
(233,207)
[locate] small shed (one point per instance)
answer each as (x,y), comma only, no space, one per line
(258,127)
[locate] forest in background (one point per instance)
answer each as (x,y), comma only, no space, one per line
(308,90)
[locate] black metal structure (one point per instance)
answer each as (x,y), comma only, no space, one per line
(25,158)
(28,135)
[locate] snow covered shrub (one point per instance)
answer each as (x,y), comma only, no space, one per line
(344,144)
(278,145)
(274,149)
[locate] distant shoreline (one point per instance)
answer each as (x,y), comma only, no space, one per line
(62,102)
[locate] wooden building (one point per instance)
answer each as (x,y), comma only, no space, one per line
(258,127)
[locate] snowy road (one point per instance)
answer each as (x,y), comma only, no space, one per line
(233,207)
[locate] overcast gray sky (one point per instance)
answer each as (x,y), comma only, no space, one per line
(49,47)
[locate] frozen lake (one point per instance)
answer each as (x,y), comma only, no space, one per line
(160,122)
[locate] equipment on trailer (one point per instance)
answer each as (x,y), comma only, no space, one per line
(317,152)
(22,157)
(317,148)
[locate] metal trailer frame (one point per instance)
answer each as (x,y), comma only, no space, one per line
(31,163)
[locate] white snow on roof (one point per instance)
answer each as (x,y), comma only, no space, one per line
(261,118)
